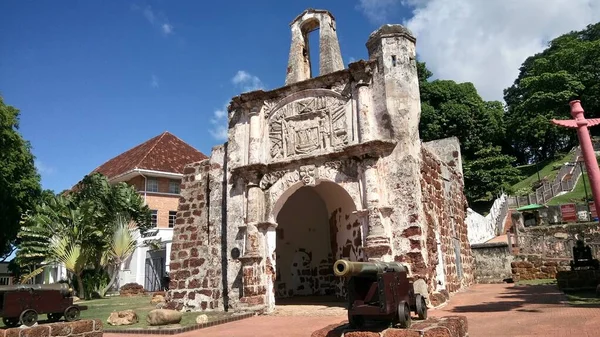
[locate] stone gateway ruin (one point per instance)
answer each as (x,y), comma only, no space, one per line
(323,168)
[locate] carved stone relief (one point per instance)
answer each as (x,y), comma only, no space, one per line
(307,125)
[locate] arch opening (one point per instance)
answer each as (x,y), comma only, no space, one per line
(316,226)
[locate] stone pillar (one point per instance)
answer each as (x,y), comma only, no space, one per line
(255,137)
(365,131)
(330,57)
(252,268)
(377,242)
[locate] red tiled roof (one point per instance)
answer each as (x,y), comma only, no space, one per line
(164,152)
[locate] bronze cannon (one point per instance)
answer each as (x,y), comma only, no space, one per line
(379,291)
(22,303)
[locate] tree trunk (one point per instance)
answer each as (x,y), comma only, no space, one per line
(112,279)
(80,293)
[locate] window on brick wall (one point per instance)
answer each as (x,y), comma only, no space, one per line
(152,185)
(154,218)
(172,218)
(174,186)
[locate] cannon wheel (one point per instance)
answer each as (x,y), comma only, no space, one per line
(28,317)
(71,314)
(10,322)
(356,321)
(54,317)
(404,318)
(421,307)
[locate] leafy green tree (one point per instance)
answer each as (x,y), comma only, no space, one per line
(455,109)
(104,205)
(568,69)
(489,172)
(19,181)
(83,228)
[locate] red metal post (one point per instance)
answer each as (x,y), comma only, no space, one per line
(581,124)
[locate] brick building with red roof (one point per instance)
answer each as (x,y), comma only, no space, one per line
(155,169)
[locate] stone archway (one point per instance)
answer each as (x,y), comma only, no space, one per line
(316,226)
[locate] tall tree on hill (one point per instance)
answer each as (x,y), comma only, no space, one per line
(456,109)
(19,181)
(568,69)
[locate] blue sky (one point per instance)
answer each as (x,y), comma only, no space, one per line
(95,78)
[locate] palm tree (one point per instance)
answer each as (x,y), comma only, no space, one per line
(122,245)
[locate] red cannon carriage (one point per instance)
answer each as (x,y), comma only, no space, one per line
(379,291)
(22,303)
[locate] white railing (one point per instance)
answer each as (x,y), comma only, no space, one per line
(565,181)
(6,280)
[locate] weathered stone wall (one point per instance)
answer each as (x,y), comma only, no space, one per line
(535,266)
(351,137)
(492,262)
(82,328)
(546,250)
(445,227)
(196,253)
(558,241)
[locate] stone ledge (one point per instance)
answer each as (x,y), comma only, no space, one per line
(82,328)
(447,326)
(178,330)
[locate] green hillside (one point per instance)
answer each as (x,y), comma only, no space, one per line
(548,170)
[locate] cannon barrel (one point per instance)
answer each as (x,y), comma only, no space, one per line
(64,289)
(345,268)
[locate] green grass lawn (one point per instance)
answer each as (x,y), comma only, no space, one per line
(577,195)
(548,169)
(583,298)
(537,282)
(101,309)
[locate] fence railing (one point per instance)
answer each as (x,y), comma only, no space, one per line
(6,280)
(565,181)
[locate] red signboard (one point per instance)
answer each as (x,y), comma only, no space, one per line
(568,212)
(593,210)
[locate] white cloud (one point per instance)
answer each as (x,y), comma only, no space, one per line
(486,41)
(167,28)
(246,81)
(43,168)
(154,81)
(158,20)
(219,123)
(377,11)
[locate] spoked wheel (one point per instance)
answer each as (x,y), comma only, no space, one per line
(54,317)
(10,322)
(71,314)
(28,317)
(421,307)
(356,322)
(404,318)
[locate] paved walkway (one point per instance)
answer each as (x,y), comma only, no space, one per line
(498,310)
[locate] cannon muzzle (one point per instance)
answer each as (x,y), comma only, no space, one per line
(64,289)
(344,268)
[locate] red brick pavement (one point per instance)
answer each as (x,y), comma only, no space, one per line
(497,310)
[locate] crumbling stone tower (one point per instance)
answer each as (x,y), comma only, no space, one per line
(324,168)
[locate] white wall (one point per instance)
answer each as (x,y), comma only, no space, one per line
(134,270)
(302,242)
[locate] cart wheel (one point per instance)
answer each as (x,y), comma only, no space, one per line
(71,314)
(356,321)
(10,322)
(421,305)
(54,317)
(404,318)
(28,317)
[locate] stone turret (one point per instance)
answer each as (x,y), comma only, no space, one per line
(330,57)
